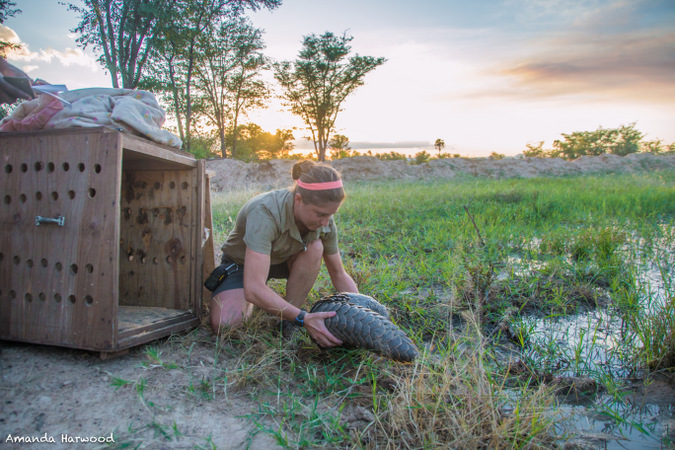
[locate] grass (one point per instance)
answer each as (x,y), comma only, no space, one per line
(469,268)
(653,325)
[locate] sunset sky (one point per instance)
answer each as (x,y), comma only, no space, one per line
(484,76)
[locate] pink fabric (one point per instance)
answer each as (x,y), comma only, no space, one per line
(37,117)
(320,186)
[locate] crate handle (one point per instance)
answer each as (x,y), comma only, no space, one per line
(59,220)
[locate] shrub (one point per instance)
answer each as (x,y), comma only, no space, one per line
(421,157)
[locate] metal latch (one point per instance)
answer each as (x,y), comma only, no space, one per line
(59,220)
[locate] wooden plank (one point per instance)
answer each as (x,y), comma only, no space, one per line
(57,282)
(139,153)
(158,330)
(208,250)
(134,318)
(70,132)
(200,221)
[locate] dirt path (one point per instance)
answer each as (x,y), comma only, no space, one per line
(164,402)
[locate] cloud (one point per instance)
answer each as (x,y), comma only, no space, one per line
(558,51)
(67,57)
(616,50)
(29,69)
(9,35)
(628,64)
(599,15)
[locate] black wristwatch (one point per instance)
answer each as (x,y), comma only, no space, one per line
(300,320)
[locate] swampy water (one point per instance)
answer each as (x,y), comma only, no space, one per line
(632,409)
(638,415)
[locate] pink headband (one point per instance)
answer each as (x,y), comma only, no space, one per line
(320,186)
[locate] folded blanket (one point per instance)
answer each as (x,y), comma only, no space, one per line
(32,115)
(133,111)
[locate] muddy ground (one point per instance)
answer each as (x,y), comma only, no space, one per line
(63,396)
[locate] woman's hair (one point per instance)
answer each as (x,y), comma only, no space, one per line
(311,172)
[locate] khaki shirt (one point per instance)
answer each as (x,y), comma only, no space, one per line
(266,225)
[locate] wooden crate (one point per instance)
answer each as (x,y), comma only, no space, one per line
(125,265)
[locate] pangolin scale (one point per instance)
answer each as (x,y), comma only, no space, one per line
(357,324)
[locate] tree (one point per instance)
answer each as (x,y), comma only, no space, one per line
(316,84)
(535,150)
(339,142)
(248,136)
(421,157)
(339,146)
(175,55)
(258,145)
(657,147)
(247,88)
(391,156)
(132,35)
(183,38)
(5,13)
(123,31)
(211,71)
(439,145)
(127,31)
(616,141)
(275,146)
(227,76)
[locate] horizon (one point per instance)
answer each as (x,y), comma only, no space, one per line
(485,77)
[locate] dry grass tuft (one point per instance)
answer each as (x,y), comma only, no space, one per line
(451,400)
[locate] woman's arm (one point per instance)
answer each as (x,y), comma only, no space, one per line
(257,292)
(338,275)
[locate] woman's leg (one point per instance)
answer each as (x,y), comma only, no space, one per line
(303,272)
(229,309)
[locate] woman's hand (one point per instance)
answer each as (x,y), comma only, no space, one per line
(316,327)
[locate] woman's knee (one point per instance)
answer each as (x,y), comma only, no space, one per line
(315,249)
(228,309)
(310,257)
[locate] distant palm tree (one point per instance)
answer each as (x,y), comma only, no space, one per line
(439,145)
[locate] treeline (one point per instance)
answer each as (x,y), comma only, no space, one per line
(620,141)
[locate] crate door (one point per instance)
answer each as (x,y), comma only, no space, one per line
(59,238)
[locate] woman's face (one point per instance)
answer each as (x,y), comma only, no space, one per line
(312,217)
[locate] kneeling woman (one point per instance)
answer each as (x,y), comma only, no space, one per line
(284,233)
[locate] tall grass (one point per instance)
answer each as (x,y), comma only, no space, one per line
(548,247)
(454,399)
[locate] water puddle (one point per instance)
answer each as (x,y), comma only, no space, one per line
(631,410)
(619,426)
(589,346)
